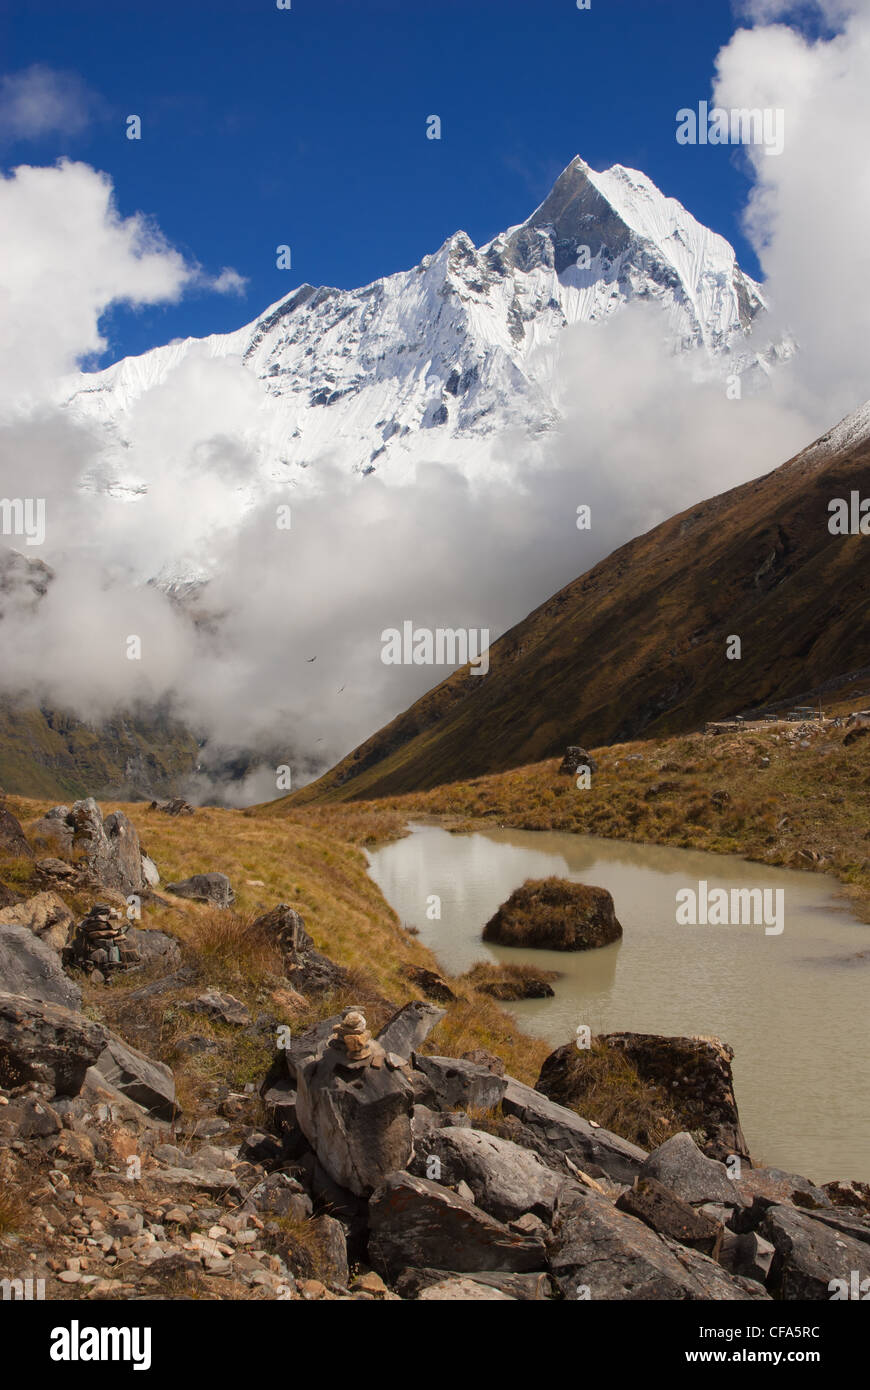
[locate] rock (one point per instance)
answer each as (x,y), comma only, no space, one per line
(857,727)
(176,806)
(279,1103)
(205,888)
(461,1289)
(150,871)
(748,1254)
(46,1043)
(505,1180)
(331,1249)
(279,1195)
(433,985)
(409,1028)
(419,1223)
(809,1257)
(601,1253)
(555,1130)
(684,1170)
(225,1007)
(285,926)
(488,1060)
(46,915)
(29,1117)
(110,848)
(150,1084)
(155,948)
(355,1115)
(457,1084)
(13,841)
(663,1211)
(695,1073)
(262,1148)
(767,1187)
(57,870)
(29,967)
(311,972)
(8,896)
(100,945)
(576,757)
(54,829)
(522,1287)
(554,914)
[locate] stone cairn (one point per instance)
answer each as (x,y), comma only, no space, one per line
(351,1036)
(101,942)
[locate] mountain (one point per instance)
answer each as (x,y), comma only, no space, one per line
(438,362)
(637,645)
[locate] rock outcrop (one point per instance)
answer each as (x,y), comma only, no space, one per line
(555,915)
(205,888)
(46,1043)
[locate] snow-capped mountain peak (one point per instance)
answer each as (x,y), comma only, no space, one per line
(440,360)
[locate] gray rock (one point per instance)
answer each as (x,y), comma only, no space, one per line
(505,1180)
(748,1254)
(54,829)
(46,915)
(809,1257)
(110,848)
(28,966)
(357,1118)
(156,948)
(332,1249)
(410,1027)
(663,1211)
(279,1103)
(205,888)
(526,1288)
(680,1166)
(224,1007)
(455,1083)
(150,1084)
(419,1223)
(12,838)
(602,1254)
(150,871)
(563,1133)
(45,1042)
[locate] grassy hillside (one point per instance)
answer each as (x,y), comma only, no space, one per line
(637,646)
(49,753)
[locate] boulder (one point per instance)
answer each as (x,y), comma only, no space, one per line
(54,829)
(455,1084)
(684,1170)
(407,1030)
(460,1289)
(561,1134)
(223,1007)
(526,1288)
(29,966)
(576,757)
(353,1108)
(660,1209)
(205,888)
(556,915)
(279,1103)
(150,1084)
(505,1180)
(8,896)
(695,1073)
(768,1187)
(109,848)
(600,1252)
(47,1043)
(419,1223)
(155,948)
(285,926)
(331,1249)
(46,915)
(812,1261)
(150,871)
(433,985)
(12,838)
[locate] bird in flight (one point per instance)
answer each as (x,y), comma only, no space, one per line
(309,659)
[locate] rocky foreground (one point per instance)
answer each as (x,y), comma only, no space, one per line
(363,1165)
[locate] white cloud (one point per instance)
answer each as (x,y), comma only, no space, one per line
(66,254)
(228,282)
(42,101)
(808,214)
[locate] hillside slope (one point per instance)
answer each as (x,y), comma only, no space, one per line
(638,644)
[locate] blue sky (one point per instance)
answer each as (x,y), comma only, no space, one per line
(308,127)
